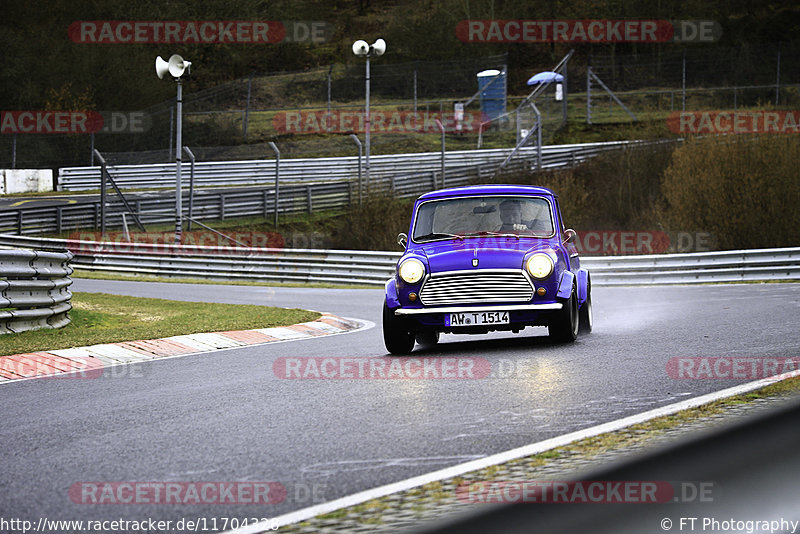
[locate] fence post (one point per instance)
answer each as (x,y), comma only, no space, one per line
(277,177)
(308,199)
(354,137)
(244,122)
(191,182)
(589,89)
(778,80)
(683,81)
(103,172)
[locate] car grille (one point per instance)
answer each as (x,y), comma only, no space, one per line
(478,287)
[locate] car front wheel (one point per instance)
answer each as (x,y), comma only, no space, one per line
(564,325)
(397,335)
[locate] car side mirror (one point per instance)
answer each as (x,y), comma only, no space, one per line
(402,240)
(569,235)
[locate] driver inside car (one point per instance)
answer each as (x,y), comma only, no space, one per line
(511,215)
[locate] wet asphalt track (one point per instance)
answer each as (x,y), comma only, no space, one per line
(226,416)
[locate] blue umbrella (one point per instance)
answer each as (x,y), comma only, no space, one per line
(545,77)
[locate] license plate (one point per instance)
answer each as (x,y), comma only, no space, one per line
(476,318)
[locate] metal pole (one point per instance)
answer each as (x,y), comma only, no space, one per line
(171,124)
(328,117)
(14,151)
(564,94)
(778,80)
(246,114)
(589,90)
(191,188)
(538,136)
(178,165)
(367,126)
(102,193)
(415,92)
(277,177)
(354,137)
(91,151)
(441,128)
(683,82)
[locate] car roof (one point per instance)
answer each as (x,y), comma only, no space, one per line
(490,189)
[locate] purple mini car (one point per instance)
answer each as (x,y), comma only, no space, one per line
(482,258)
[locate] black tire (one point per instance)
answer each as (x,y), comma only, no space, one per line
(397,335)
(427,338)
(585,316)
(564,326)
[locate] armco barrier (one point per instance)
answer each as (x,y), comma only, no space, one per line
(314,184)
(374,268)
(311,170)
(34,289)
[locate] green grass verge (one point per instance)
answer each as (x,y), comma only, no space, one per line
(102,318)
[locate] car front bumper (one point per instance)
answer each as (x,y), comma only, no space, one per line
(467,309)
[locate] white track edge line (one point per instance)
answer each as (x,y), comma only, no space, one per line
(502,457)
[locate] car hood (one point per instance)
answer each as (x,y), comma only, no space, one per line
(491,253)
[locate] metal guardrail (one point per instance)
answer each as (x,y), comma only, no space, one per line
(305,170)
(34,289)
(294,198)
(374,268)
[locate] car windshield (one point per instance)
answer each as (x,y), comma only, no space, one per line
(513,216)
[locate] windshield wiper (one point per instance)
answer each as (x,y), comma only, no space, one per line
(498,234)
(437,235)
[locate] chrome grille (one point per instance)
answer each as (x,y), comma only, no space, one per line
(478,287)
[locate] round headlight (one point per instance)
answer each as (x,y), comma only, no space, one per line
(411,271)
(539,266)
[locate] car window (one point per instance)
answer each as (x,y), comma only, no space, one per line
(524,216)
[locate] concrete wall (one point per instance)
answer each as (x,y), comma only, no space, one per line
(25,180)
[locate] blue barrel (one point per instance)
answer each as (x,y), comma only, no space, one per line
(492,85)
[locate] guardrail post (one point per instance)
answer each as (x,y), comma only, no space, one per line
(221,207)
(103,171)
(191,174)
(277,177)
(19,222)
(266,204)
(354,137)
(59,217)
(308,199)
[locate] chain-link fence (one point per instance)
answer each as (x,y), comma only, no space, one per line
(313,112)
